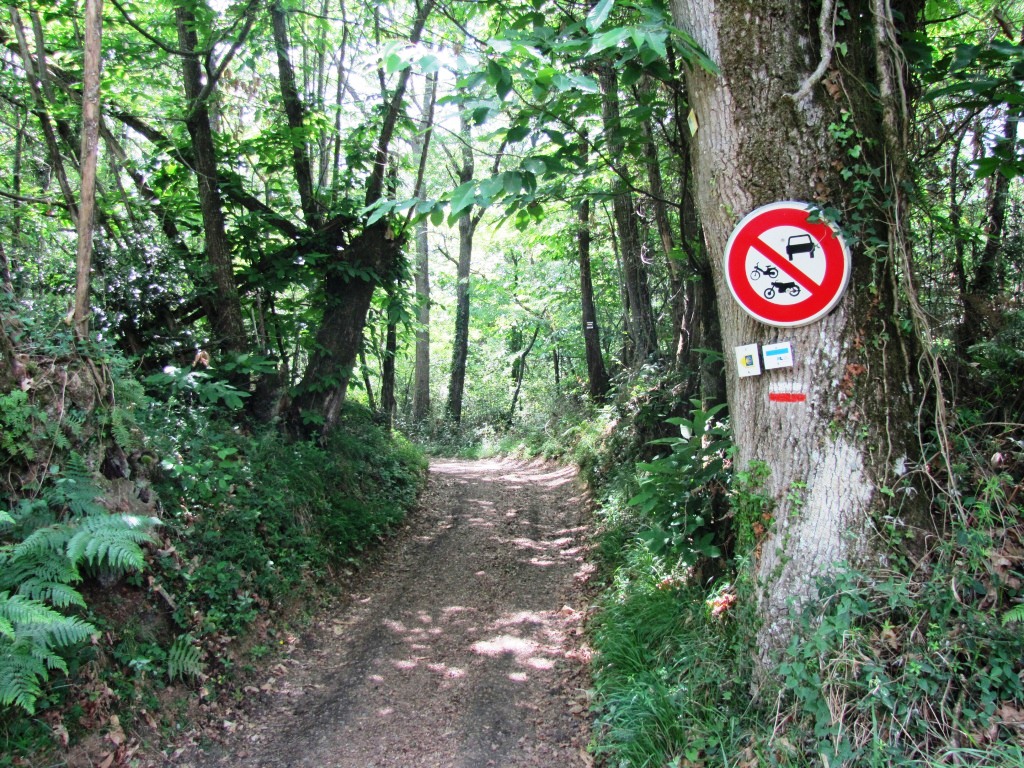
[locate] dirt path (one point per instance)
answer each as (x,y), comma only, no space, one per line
(460,649)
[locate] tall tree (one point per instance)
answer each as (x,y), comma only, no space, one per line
(89,157)
(597,373)
(223,306)
(767,132)
(360,264)
(467,227)
(643,341)
(421,146)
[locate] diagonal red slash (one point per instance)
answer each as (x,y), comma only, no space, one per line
(782,263)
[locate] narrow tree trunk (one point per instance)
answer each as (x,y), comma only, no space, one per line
(6,281)
(42,114)
(978,300)
(387,387)
(367,384)
(519,372)
(296,118)
(421,383)
(89,155)
(460,342)
(677,282)
(842,434)
(597,374)
(643,340)
(421,146)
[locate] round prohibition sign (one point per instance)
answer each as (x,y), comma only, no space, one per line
(784,269)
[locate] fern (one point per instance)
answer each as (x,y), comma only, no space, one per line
(1015,614)
(184,659)
(55,593)
(46,542)
(31,633)
(112,540)
(76,488)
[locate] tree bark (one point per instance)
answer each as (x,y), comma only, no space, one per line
(295,113)
(223,307)
(460,342)
(597,375)
(831,454)
(89,159)
(643,341)
(387,387)
(421,374)
(421,383)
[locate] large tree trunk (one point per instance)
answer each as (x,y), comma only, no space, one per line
(761,140)
(223,307)
(316,404)
(367,261)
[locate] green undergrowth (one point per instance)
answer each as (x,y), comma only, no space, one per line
(154,548)
(916,663)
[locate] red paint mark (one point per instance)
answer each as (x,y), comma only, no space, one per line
(787,397)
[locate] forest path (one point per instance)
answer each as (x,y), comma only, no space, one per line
(460,648)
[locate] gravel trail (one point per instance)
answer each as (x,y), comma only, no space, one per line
(461,648)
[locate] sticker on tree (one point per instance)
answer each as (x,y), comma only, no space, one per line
(785,266)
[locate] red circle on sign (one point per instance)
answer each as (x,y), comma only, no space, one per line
(770,265)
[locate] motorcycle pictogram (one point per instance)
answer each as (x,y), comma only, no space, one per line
(791,288)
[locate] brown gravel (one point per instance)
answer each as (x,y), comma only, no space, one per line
(461,648)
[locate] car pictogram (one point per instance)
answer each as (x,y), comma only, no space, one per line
(797,244)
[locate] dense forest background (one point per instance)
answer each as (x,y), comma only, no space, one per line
(248,250)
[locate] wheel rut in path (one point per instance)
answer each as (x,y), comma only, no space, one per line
(461,648)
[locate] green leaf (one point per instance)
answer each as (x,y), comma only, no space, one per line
(480,115)
(534,165)
(393,63)
(964,56)
(610,39)
(462,198)
(517,133)
(599,14)
(512,181)
(489,188)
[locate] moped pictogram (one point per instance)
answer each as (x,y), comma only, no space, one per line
(757,271)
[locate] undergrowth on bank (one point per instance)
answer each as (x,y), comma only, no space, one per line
(918,662)
(153,547)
